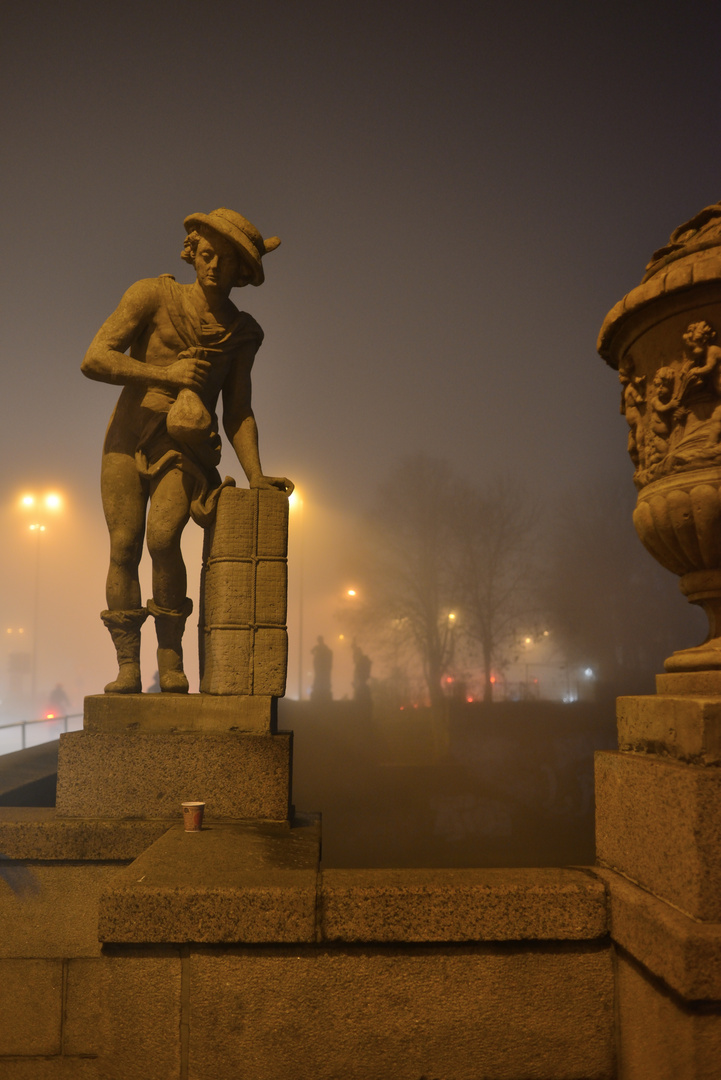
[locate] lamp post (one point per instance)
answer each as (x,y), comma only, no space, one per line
(295,503)
(38,506)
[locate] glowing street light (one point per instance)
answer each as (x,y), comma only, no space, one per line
(50,502)
(295,505)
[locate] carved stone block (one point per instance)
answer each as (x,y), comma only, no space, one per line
(244,595)
(658,821)
(237,775)
(134,713)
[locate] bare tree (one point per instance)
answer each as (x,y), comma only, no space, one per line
(493,532)
(615,609)
(407,567)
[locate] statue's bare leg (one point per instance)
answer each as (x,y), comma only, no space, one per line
(167,517)
(124,500)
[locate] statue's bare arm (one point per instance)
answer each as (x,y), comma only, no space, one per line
(106,360)
(240,426)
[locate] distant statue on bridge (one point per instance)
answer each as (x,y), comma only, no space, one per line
(361,674)
(322,667)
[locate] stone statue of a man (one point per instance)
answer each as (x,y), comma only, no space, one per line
(188,344)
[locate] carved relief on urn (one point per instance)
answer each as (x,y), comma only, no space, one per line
(664,339)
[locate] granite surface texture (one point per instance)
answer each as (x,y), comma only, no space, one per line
(228,883)
(118,713)
(497,1012)
(127,1011)
(658,821)
(461,905)
(30,1006)
(237,775)
(51,910)
(37,832)
(659,1037)
(686,728)
(684,953)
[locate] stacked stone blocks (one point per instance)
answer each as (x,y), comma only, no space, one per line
(244,590)
(658,844)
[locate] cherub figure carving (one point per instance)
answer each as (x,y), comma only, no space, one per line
(633,393)
(694,406)
(701,356)
(661,410)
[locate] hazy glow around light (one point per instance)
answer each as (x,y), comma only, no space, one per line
(351,592)
(52,500)
(294,500)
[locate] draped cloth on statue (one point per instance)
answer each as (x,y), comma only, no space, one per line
(182,427)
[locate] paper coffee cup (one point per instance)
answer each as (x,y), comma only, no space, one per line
(193,816)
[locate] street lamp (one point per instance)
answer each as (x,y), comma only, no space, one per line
(295,505)
(39,505)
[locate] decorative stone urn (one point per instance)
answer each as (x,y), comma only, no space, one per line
(664,339)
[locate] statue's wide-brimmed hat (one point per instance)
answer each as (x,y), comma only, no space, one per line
(244,236)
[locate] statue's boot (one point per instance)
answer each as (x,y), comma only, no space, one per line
(169,626)
(124,627)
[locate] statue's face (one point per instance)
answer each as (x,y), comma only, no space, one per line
(217,263)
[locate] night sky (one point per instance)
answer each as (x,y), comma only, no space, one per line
(462,191)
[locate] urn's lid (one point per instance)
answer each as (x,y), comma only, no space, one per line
(691,256)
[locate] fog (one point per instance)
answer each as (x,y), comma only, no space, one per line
(462,192)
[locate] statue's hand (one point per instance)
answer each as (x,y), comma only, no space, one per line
(188,371)
(280,482)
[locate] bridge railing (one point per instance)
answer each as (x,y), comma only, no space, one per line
(24,724)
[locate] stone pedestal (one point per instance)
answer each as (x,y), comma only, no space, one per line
(141,756)
(658,845)
(147,775)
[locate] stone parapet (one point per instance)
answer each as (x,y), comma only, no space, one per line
(523,985)
(247,883)
(50,910)
(500,1012)
(686,728)
(660,1035)
(658,821)
(228,883)
(658,831)
(237,775)
(684,953)
(461,905)
(36,832)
